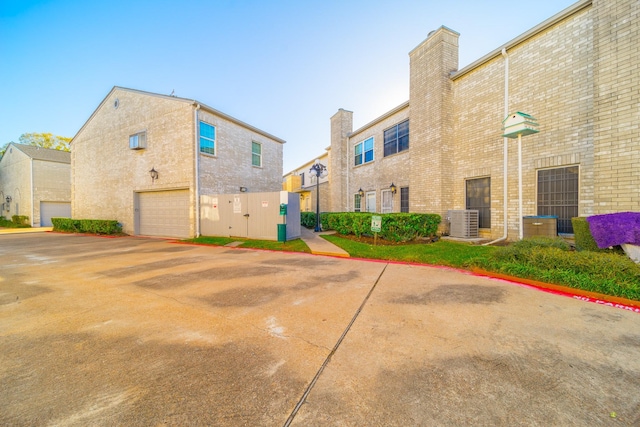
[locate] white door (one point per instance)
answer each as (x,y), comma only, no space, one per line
(387,201)
(371,201)
(50,210)
(164,213)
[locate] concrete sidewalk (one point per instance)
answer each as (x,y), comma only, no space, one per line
(24,230)
(320,246)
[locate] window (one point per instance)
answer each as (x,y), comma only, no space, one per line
(207,138)
(256,154)
(138,141)
(364,152)
(479,197)
(357,200)
(387,201)
(371,201)
(404,199)
(396,138)
(558,195)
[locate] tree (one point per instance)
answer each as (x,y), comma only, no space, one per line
(44,140)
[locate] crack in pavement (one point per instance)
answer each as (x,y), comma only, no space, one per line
(335,348)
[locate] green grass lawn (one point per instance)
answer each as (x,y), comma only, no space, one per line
(442,252)
(296,245)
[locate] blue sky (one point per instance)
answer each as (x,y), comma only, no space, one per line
(283,66)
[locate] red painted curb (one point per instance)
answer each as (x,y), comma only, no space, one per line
(608,300)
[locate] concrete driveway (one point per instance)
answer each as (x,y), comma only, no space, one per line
(143,332)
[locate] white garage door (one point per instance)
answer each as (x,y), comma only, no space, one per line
(50,210)
(164,213)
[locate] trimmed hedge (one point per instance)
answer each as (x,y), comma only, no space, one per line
(396,227)
(582,234)
(20,219)
(308,219)
(93,226)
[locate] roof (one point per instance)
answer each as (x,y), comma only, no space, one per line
(47,154)
(195,103)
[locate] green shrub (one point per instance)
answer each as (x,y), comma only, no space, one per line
(396,227)
(20,219)
(606,273)
(308,219)
(582,233)
(94,226)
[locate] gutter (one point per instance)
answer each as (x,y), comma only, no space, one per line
(197,166)
(505,143)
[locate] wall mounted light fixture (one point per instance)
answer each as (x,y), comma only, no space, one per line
(393,188)
(154,174)
(243,189)
(360,192)
(8,199)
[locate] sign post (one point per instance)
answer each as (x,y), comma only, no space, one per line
(376,227)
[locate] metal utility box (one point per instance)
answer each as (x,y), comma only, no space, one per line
(463,223)
(540,226)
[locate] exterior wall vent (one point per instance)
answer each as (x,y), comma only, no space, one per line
(463,223)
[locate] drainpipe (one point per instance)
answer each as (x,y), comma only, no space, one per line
(348,195)
(197,167)
(505,143)
(32,195)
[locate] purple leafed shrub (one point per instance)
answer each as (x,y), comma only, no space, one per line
(615,229)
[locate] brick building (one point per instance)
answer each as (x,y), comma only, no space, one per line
(148,161)
(577,73)
(35,182)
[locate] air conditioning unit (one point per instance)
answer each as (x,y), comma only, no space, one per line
(463,223)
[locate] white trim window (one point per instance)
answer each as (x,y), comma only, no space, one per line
(371,201)
(363,152)
(357,202)
(256,154)
(387,201)
(207,138)
(138,141)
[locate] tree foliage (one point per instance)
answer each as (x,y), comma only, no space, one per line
(44,140)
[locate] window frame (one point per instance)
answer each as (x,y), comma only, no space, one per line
(207,139)
(357,202)
(140,140)
(483,207)
(254,154)
(368,207)
(570,208)
(360,158)
(404,199)
(393,142)
(388,195)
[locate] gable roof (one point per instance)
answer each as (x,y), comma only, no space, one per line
(39,153)
(193,102)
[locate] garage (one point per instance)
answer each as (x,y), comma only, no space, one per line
(50,210)
(164,213)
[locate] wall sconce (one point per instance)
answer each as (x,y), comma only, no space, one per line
(154,174)
(393,188)
(360,192)
(243,189)
(8,199)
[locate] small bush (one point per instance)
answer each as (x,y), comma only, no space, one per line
(582,233)
(308,219)
(94,226)
(20,220)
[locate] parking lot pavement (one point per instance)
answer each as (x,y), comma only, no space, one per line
(132,331)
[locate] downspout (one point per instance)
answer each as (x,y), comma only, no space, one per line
(32,195)
(347,194)
(505,143)
(197,167)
